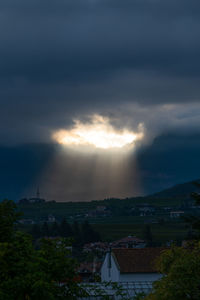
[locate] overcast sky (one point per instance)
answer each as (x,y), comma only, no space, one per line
(131,60)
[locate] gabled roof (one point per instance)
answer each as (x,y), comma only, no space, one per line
(134,260)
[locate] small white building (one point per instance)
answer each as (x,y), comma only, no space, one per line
(176,214)
(51,219)
(131,265)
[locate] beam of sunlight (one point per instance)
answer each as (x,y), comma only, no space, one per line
(96,162)
(72,176)
(98,133)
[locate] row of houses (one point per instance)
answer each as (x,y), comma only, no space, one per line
(49,219)
(126,242)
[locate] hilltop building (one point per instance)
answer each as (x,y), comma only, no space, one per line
(36,199)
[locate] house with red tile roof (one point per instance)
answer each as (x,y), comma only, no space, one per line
(96,246)
(88,270)
(131,265)
(129,242)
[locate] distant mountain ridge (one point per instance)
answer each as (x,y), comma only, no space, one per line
(182,190)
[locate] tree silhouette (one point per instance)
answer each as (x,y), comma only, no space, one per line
(55,230)
(65,229)
(27,273)
(8,218)
(194,221)
(36,231)
(77,234)
(89,234)
(45,230)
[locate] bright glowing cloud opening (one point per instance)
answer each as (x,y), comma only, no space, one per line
(98,133)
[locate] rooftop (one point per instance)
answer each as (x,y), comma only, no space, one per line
(132,260)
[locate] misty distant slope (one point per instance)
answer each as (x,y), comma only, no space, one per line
(183,190)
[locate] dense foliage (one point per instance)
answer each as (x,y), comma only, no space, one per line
(181,269)
(26,273)
(8,218)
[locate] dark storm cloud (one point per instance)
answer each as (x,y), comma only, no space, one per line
(63,59)
(77,40)
(132,60)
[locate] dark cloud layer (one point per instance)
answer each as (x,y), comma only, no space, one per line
(67,39)
(132,60)
(71,54)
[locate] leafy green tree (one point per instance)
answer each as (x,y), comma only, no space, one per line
(26,273)
(181,270)
(59,266)
(45,231)
(19,270)
(36,231)
(194,221)
(181,267)
(77,234)
(30,274)
(65,229)
(196,196)
(8,218)
(55,230)
(89,234)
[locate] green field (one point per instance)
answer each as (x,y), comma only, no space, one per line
(39,211)
(119,224)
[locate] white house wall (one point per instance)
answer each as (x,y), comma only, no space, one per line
(130,277)
(111,274)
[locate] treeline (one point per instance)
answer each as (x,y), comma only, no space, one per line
(79,233)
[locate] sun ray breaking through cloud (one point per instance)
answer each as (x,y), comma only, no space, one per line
(75,176)
(98,133)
